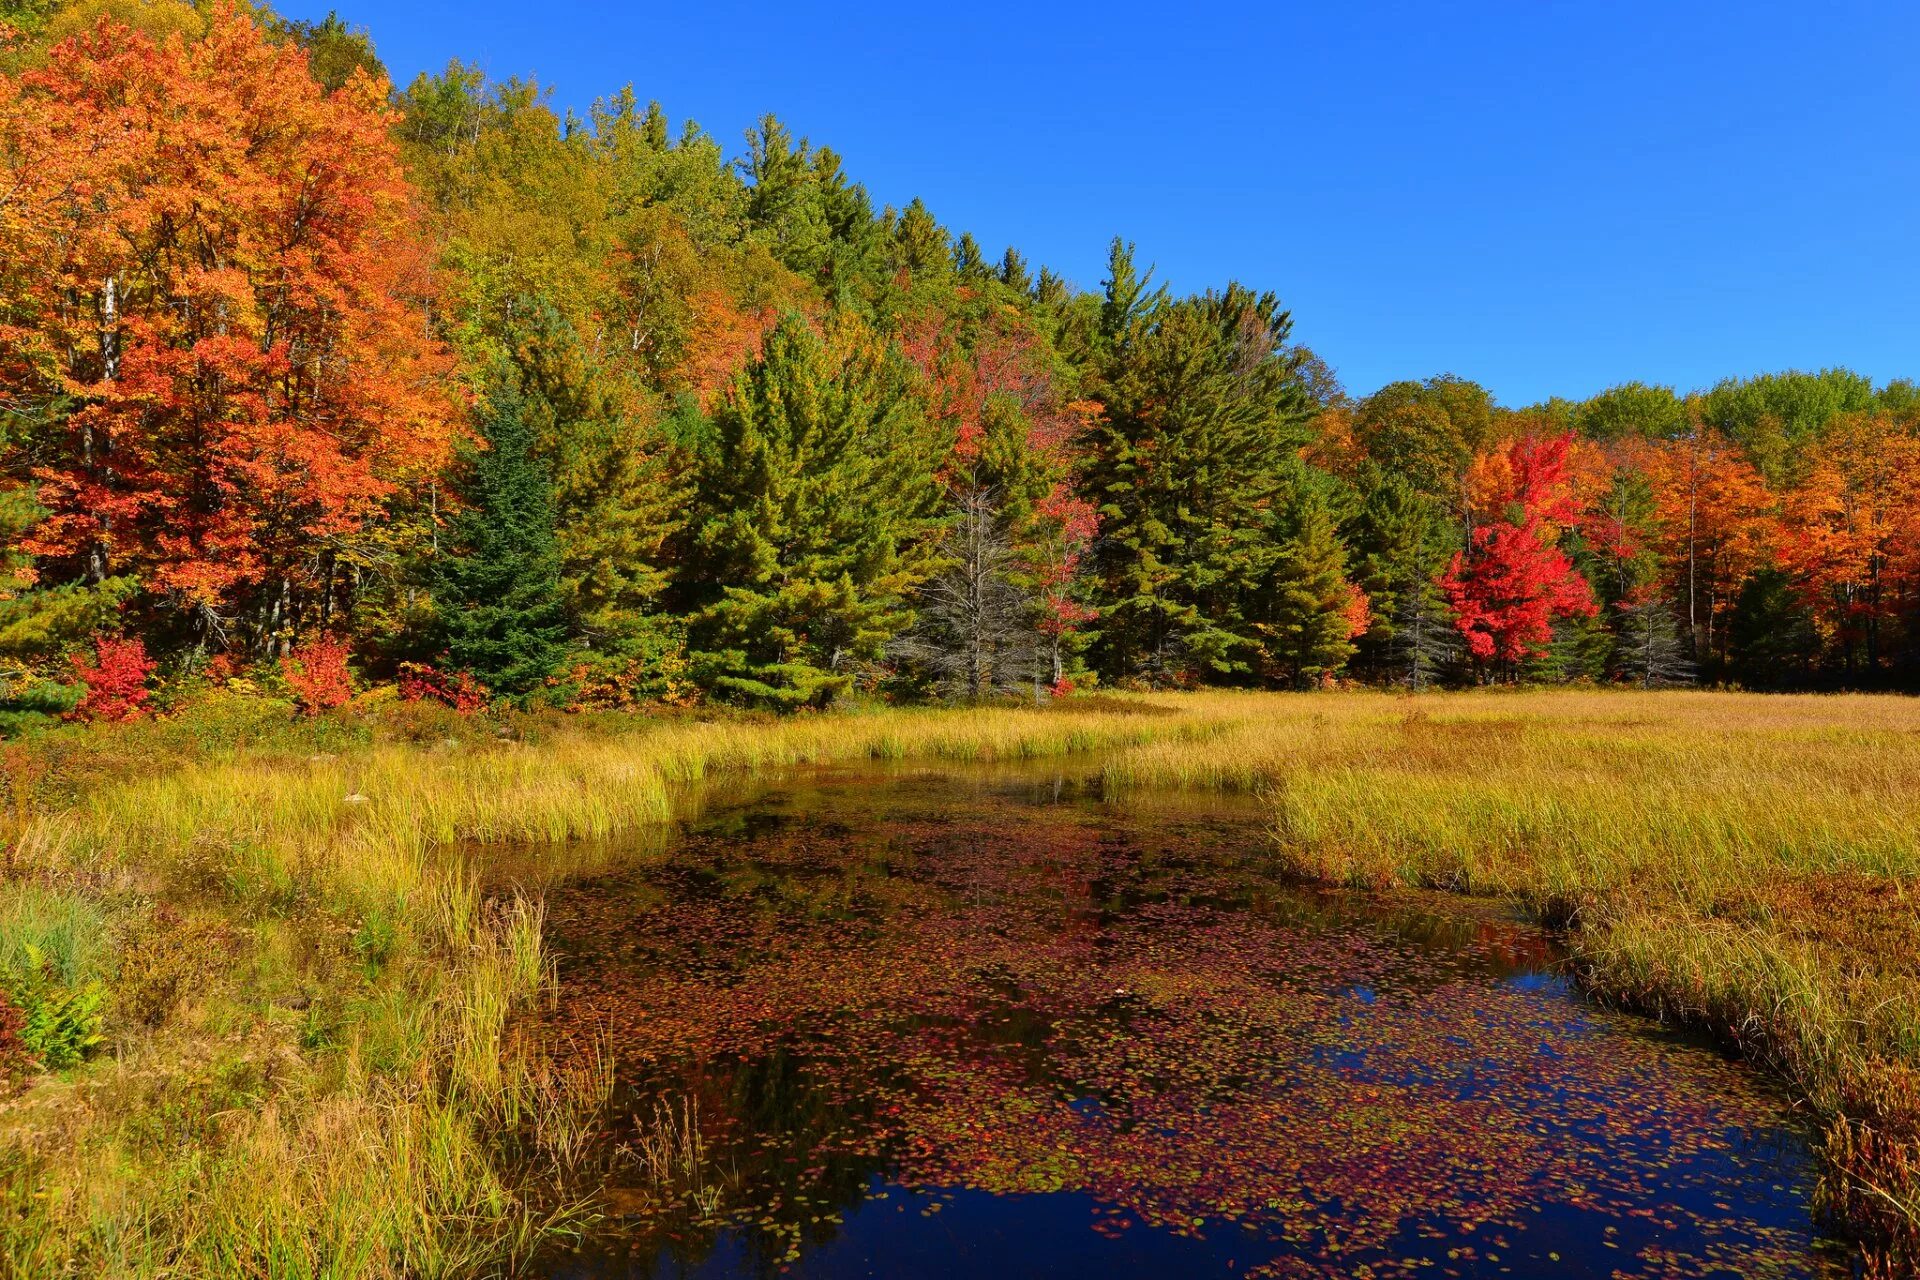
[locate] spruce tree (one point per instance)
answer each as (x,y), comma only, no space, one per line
(815,508)
(1311,606)
(497,599)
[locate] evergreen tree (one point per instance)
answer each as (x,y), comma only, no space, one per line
(1049,290)
(814,507)
(968,263)
(1424,645)
(1014,273)
(974,633)
(497,599)
(784,198)
(1401,542)
(1773,641)
(921,247)
(1650,651)
(1203,416)
(617,495)
(1313,612)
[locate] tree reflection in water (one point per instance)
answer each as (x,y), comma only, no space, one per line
(981,1026)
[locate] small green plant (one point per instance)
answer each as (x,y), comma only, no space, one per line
(59,1026)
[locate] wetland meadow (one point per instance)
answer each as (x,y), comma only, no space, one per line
(1551,983)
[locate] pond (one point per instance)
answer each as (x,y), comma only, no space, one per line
(976,1023)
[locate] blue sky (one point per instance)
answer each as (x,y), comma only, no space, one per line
(1548,197)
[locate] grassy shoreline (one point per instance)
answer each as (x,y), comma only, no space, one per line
(312,1065)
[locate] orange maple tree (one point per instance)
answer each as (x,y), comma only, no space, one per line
(215,264)
(1853,534)
(1715,524)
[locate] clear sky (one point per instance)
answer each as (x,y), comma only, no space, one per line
(1549,197)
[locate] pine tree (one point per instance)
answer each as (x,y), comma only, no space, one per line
(921,247)
(815,503)
(1014,273)
(968,263)
(1772,637)
(498,602)
(1312,609)
(1203,417)
(1424,645)
(617,496)
(1049,290)
(1400,540)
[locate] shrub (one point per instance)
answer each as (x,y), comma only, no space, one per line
(422,682)
(317,673)
(115,678)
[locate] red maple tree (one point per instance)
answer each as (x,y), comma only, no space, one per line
(1513,582)
(316,670)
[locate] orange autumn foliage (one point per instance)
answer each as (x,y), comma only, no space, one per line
(216,263)
(724,336)
(1715,523)
(1853,533)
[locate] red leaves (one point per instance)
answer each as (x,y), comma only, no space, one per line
(1512,585)
(317,671)
(422,682)
(116,680)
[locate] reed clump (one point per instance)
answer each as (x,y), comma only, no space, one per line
(1745,864)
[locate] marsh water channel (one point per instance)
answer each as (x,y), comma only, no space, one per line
(983,1023)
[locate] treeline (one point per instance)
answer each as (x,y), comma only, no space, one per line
(306,382)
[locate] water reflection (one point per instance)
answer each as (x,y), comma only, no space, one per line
(986,1026)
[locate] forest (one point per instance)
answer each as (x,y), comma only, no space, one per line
(319,387)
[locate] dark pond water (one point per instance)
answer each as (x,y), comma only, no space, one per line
(983,1025)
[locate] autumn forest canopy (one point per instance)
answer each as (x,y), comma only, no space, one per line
(312,384)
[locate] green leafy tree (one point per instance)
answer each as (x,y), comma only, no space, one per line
(814,510)
(1775,415)
(1631,410)
(497,598)
(1428,433)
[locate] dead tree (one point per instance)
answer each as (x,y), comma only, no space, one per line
(974,634)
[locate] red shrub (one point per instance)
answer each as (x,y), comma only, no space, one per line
(318,673)
(116,680)
(421,681)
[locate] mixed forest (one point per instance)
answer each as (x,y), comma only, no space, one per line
(315,385)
